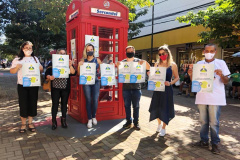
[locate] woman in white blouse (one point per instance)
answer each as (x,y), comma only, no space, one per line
(27,96)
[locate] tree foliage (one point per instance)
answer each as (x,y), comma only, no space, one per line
(222,22)
(57,11)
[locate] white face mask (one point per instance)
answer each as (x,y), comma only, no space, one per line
(209,56)
(27,53)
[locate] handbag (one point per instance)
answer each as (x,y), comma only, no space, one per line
(47,83)
(177,83)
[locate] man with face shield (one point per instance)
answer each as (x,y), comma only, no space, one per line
(209,104)
(132,92)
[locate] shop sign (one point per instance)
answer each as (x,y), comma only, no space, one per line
(74,14)
(105,13)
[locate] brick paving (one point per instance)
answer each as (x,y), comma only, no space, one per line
(121,144)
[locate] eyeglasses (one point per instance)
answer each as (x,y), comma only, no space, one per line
(162,54)
(30,49)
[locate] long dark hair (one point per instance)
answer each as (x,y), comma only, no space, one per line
(21,53)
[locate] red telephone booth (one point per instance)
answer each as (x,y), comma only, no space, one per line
(107,19)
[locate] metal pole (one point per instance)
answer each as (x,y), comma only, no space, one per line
(151,56)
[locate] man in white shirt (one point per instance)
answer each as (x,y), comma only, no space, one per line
(209,104)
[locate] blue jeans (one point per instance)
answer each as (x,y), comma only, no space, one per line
(91,94)
(132,97)
(209,116)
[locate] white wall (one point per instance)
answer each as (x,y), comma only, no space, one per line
(162,8)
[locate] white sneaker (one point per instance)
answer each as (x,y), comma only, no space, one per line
(89,124)
(159,127)
(94,120)
(162,132)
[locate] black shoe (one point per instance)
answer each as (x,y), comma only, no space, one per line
(54,124)
(137,127)
(215,149)
(201,144)
(127,125)
(63,122)
(179,94)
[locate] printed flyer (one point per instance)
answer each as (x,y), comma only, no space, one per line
(60,66)
(87,74)
(138,72)
(203,77)
(124,72)
(107,74)
(31,75)
(157,78)
(94,40)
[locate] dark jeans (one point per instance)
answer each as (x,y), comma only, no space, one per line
(132,97)
(56,94)
(27,97)
(91,94)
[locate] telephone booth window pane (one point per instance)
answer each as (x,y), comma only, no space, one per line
(116,46)
(106,96)
(94,30)
(74,95)
(105,33)
(106,46)
(106,58)
(116,96)
(74,83)
(116,33)
(73,33)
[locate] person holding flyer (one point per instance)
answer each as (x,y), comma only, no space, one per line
(91,91)
(132,92)
(60,88)
(209,103)
(27,96)
(162,106)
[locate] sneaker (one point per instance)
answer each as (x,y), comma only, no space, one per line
(127,125)
(179,94)
(94,121)
(89,124)
(201,144)
(159,127)
(137,127)
(215,149)
(162,132)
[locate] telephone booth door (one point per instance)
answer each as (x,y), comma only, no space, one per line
(113,33)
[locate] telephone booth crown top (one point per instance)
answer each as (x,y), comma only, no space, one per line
(97,9)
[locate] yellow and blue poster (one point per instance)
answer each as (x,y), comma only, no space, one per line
(107,74)
(138,72)
(203,77)
(31,75)
(60,66)
(157,78)
(87,74)
(124,72)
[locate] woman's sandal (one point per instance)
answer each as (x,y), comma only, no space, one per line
(31,129)
(22,130)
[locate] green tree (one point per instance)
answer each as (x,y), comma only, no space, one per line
(57,11)
(221,21)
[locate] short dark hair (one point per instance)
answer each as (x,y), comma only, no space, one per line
(211,45)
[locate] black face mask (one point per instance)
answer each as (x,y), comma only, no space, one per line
(130,54)
(90,53)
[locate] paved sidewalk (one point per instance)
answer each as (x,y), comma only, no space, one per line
(107,140)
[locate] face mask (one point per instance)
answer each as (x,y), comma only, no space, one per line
(130,54)
(90,53)
(163,58)
(27,53)
(209,56)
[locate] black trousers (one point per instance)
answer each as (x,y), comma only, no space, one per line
(56,94)
(27,98)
